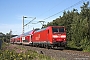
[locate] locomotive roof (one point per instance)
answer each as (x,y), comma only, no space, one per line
(41,29)
(56,26)
(47,28)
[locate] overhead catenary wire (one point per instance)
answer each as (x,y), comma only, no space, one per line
(30,22)
(79,2)
(51,8)
(66,8)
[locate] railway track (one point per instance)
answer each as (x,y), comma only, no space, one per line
(60,54)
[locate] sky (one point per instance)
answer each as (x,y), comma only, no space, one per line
(12,12)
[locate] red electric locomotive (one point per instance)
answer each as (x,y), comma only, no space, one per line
(51,36)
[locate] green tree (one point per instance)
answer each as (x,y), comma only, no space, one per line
(77,25)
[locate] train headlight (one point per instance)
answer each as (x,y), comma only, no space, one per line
(55,36)
(63,36)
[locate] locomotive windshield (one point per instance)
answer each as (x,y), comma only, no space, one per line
(55,29)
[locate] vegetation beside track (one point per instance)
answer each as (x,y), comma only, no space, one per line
(18,53)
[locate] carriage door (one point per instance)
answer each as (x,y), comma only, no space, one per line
(30,38)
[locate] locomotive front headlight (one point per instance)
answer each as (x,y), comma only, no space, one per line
(55,36)
(63,36)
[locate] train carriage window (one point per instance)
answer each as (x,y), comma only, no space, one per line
(48,31)
(31,37)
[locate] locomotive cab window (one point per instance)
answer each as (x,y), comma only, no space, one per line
(61,29)
(56,30)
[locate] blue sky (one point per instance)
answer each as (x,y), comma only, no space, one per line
(12,11)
